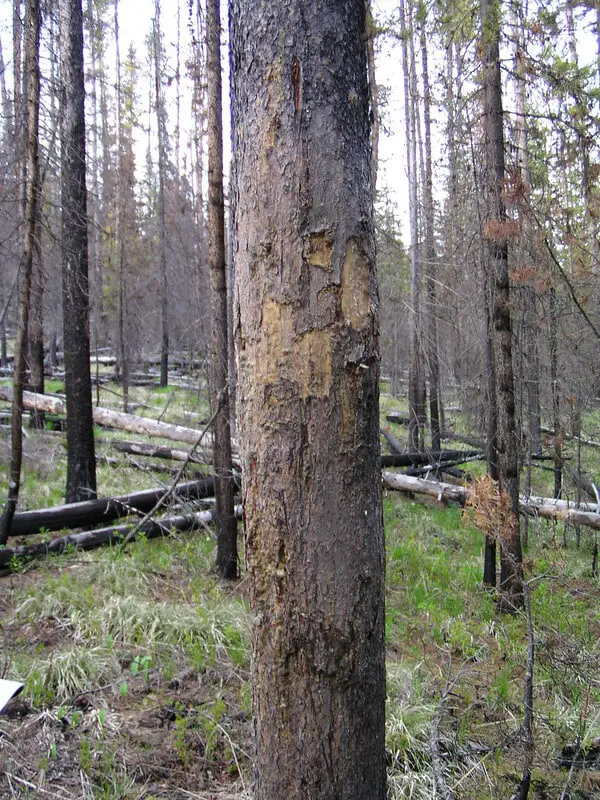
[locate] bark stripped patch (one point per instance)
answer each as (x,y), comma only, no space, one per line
(356,306)
(318,250)
(282,355)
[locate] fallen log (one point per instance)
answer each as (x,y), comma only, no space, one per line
(394,444)
(109,418)
(433,458)
(441,491)
(570,437)
(111,535)
(161,451)
(437,467)
(398,418)
(473,441)
(547,508)
(93,512)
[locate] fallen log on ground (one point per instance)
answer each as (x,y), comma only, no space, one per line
(111,535)
(545,507)
(437,467)
(441,491)
(398,418)
(570,437)
(448,433)
(94,512)
(432,458)
(394,444)
(161,451)
(190,473)
(109,418)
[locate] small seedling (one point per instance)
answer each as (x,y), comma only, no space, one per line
(141,664)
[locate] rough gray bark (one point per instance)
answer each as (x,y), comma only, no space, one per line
(81,457)
(32,70)
(306,336)
(227,558)
(496,235)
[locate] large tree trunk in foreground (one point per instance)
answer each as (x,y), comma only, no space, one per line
(32,53)
(227,559)
(307,348)
(81,457)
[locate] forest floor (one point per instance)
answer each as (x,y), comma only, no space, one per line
(136,663)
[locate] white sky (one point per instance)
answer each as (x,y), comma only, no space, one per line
(135,18)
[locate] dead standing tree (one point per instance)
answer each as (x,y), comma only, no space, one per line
(306,336)
(32,71)
(227,561)
(496,232)
(81,457)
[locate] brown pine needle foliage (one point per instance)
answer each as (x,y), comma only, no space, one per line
(490,509)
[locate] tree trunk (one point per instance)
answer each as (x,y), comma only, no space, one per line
(497,240)
(433,361)
(122,343)
(36,328)
(32,53)
(162,228)
(306,335)
(227,558)
(81,457)
(416,398)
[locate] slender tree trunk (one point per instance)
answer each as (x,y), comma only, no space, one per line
(36,329)
(490,578)
(495,233)
(430,259)
(32,70)
(122,343)
(162,228)
(555,390)
(81,457)
(306,336)
(227,561)
(415,368)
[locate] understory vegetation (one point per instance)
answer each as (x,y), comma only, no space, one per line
(136,660)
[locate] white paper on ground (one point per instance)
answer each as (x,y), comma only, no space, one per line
(8,689)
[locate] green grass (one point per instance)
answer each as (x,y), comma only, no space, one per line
(123,626)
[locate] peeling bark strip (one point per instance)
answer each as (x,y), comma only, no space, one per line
(306,336)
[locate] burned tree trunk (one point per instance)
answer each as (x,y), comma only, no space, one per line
(306,336)
(32,56)
(81,457)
